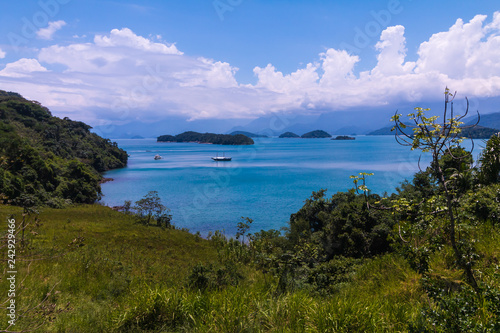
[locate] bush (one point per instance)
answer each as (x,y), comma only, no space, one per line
(214,276)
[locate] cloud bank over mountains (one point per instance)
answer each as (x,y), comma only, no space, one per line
(123,77)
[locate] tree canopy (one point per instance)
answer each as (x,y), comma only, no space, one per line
(54,160)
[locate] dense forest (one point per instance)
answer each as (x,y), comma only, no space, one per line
(48,160)
(216,139)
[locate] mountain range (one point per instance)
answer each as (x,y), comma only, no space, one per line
(347,122)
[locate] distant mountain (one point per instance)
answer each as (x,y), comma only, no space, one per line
(289,135)
(344,137)
(491,120)
(249,134)
(216,139)
(317,134)
(477,132)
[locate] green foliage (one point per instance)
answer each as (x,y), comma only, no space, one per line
(150,209)
(214,276)
(243,227)
(53,159)
(217,139)
(490,161)
(458,308)
(342,225)
(482,205)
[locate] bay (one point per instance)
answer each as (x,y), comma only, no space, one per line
(266,182)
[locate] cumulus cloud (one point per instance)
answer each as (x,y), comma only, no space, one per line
(127,38)
(22,68)
(48,33)
(2,54)
(392,53)
(124,76)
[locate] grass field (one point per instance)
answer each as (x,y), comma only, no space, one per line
(91,269)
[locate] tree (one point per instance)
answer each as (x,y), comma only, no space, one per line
(243,227)
(490,161)
(440,139)
(150,208)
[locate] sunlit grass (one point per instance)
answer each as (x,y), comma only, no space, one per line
(99,271)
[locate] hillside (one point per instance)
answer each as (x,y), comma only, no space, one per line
(50,160)
(216,139)
(491,120)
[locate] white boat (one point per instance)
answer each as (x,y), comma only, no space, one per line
(221,158)
(158,157)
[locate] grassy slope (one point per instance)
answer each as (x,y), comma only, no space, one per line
(105,273)
(96,256)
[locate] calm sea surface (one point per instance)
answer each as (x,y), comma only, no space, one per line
(266,182)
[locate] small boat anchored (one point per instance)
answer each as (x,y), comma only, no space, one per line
(158,157)
(222,158)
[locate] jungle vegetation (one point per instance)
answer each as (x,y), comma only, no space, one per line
(48,160)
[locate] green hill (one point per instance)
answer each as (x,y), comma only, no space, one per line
(45,159)
(216,139)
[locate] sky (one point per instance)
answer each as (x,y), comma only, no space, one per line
(146,61)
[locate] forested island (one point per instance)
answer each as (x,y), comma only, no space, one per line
(344,137)
(249,134)
(289,135)
(211,138)
(48,160)
(318,134)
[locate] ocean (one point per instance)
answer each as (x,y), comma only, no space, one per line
(266,182)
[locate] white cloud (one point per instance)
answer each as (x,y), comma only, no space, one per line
(48,33)
(133,77)
(2,54)
(392,48)
(275,81)
(22,68)
(338,66)
(126,38)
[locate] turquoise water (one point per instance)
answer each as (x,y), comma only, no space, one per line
(266,182)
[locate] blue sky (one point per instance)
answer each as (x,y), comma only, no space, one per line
(129,60)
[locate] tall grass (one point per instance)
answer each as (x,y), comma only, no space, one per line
(96,270)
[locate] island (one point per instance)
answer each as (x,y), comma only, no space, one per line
(318,134)
(289,135)
(249,134)
(207,138)
(344,137)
